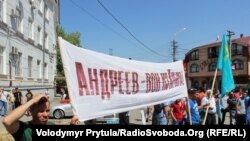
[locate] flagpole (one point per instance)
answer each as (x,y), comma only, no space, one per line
(189,113)
(212,92)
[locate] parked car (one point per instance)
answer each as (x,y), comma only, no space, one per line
(61,111)
(65,101)
(65,110)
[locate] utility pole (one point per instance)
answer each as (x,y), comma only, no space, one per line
(174,43)
(174,47)
(230,33)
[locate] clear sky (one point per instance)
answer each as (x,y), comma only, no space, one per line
(147,27)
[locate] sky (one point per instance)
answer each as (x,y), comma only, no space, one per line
(144,29)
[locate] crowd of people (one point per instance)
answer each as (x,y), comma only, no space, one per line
(205,108)
(11,100)
(199,108)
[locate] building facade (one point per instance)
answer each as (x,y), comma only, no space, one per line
(27,44)
(201,63)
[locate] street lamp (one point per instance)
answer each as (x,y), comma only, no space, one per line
(174,43)
(181,30)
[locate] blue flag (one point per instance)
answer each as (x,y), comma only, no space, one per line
(224,64)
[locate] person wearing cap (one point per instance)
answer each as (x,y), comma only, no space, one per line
(40,109)
(193,107)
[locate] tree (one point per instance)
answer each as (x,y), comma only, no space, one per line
(73,38)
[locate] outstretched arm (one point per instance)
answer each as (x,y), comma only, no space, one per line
(11,122)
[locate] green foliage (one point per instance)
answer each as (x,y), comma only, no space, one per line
(73,38)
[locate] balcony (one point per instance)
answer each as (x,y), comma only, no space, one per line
(31,41)
(3,25)
(19,34)
(39,46)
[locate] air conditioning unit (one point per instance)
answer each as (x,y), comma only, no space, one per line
(13,13)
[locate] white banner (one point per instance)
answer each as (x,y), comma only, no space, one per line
(100,84)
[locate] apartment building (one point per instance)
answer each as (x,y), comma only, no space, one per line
(201,63)
(27,44)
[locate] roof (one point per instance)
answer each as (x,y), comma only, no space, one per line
(242,40)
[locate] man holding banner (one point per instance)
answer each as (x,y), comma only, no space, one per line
(223,64)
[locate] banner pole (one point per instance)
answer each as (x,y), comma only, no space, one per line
(212,92)
(189,113)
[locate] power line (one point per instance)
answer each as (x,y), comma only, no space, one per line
(105,25)
(124,27)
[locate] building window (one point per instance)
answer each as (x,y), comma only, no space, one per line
(212,67)
(39,74)
(19,64)
(30,60)
(30,25)
(237,49)
(238,64)
(19,20)
(1,59)
(46,71)
(46,41)
(212,52)
(194,84)
(39,37)
(194,68)
(194,55)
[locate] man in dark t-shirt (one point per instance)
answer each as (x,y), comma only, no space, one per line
(18,97)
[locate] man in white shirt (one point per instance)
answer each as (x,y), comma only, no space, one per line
(210,101)
(241,110)
(4,96)
(224,108)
